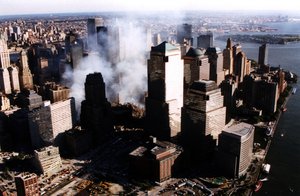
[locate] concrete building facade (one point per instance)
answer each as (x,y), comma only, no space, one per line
(205,40)
(27,184)
(203,113)
(235,149)
(157,161)
(25,75)
(165,91)
(48,160)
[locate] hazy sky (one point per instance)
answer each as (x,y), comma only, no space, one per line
(8,7)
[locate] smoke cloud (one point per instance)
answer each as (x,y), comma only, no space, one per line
(124,75)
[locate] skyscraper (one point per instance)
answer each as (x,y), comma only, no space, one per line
(5,85)
(203,112)
(165,91)
(92,25)
(184,32)
(235,149)
(25,75)
(263,55)
(215,57)
(49,121)
(196,67)
(228,57)
(14,78)
(205,40)
(96,114)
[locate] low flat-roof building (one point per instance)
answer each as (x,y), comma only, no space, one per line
(157,160)
(48,160)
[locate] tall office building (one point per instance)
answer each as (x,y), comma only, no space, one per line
(203,113)
(229,90)
(27,184)
(5,81)
(25,75)
(14,79)
(196,67)
(96,114)
(240,66)
(76,54)
(263,55)
(4,55)
(92,25)
(205,40)
(184,32)
(235,149)
(261,93)
(216,72)
(5,85)
(165,91)
(49,121)
(48,160)
(228,57)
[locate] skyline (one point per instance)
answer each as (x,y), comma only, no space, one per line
(17,7)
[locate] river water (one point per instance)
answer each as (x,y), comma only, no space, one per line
(284,153)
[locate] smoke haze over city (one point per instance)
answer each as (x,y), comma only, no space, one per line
(10,7)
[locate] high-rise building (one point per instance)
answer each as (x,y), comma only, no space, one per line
(76,55)
(263,55)
(4,54)
(25,75)
(229,90)
(49,121)
(165,91)
(203,113)
(260,92)
(96,114)
(239,68)
(184,32)
(196,67)
(4,102)
(48,160)
(5,81)
(14,79)
(235,149)
(205,40)
(55,92)
(27,184)
(228,57)
(156,39)
(5,85)
(216,72)
(157,160)
(92,25)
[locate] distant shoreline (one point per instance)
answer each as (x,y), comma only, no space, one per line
(261,39)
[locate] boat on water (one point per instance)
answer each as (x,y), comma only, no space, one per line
(284,109)
(294,90)
(266,168)
(258,186)
(269,131)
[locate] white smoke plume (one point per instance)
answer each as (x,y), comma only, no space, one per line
(131,70)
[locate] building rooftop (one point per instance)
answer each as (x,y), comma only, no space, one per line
(195,52)
(25,176)
(204,85)
(158,149)
(211,50)
(241,130)
(164,47)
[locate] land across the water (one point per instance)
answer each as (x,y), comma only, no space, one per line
(262,38)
